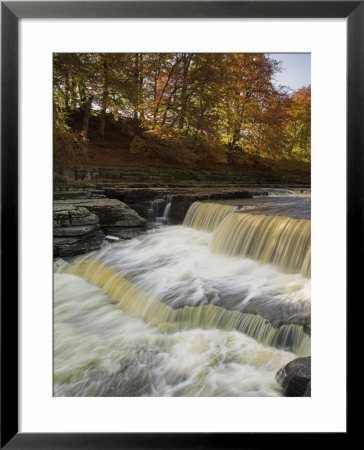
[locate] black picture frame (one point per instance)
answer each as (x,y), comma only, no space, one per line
(11,12)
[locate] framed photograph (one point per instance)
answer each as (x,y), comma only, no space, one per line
(168,169)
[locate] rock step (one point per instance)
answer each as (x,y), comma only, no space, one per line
(110,212)
(77,223)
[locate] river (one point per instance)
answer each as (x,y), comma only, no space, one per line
(213,307)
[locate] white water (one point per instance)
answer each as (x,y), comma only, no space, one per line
(175,265)
(99,350)
(289,193)
(162,315)
(156,207)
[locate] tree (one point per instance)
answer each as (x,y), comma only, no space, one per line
(298,125)
(224,99)
(104,95)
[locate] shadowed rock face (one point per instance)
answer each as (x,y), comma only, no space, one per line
(295,378)
(79,224)
(110,212)
(68,216)
(75,230)
(75,245)
(181,199)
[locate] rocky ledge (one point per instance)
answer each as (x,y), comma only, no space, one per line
(111,212)
(295,378)
(180,199)
(80,224)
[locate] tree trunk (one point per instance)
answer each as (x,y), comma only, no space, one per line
(73,95)
(169,102)
(239,121)
(82,93)
(105,95)
(186,65)
(67,94)
(138,80)
(86,118)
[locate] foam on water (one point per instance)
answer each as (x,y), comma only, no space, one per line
(165,314)
(102,351)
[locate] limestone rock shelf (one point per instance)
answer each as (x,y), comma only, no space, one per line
(80,224)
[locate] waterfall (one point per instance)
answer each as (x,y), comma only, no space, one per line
(153,211)
(166,211)
(206,216)
(101,350)
(135,301)
(213,307)
(282,241)
(155,214)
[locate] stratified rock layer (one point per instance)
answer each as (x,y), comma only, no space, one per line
(79,224)
(111,212)
(75,230)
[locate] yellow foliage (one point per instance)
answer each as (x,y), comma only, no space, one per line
(67,143)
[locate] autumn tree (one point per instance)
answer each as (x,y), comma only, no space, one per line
(297,142)
(228,99)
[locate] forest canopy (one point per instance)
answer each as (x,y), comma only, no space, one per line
(223,106)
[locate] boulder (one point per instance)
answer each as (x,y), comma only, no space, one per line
(75,229)
(295,378)
(77,223)
(110,212)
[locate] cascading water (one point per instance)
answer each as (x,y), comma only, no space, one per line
(281,241)
(211,308)
(206,216)
(153,211)
(155,214)
(167,210)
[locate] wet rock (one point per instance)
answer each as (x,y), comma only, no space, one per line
(76,245)
(181,203)
(308,390)
(122,233)
(276,313)
(295,378)
(280,314)
(137,199)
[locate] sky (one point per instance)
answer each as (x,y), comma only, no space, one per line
(296,71)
